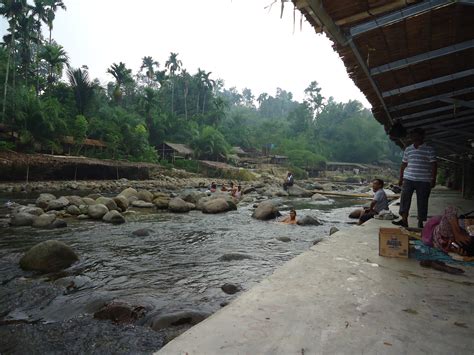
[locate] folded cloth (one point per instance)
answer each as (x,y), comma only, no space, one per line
(424,252)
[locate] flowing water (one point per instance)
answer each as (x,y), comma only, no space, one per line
(177,266)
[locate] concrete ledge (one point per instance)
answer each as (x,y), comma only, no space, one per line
(341,297)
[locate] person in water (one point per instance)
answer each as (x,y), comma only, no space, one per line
(238,193)
(224,188)
(213,187)
(378,204)
(290,219)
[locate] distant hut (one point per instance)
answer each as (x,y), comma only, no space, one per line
(173,151)
(239,152)
(278,159)
(68,143)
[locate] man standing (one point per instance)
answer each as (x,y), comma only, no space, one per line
(417,173)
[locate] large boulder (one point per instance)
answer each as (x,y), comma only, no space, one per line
(266,210)
(35,211)
(129,192)
(308,221)
(121,202)
(43,200)
(48,256)
(113,217)
(161,203)
(88,201)
(75,200)
(297,191)
(142,204)
(108,202)
(230,289)
(178,318)
(318,197)
(274,191)
(192,196)
(44,221)
(73,210)
(218,205)
(145,195)
(58,204)
(22,219)
(97,211)
(178,205)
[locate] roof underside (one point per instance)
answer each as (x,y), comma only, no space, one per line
(413,60)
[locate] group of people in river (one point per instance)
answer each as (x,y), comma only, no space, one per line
(234,190)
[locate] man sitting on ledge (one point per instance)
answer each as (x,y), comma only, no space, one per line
(378,204)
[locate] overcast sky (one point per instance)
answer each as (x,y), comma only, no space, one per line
(238,40)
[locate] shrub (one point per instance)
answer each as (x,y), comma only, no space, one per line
(191,166)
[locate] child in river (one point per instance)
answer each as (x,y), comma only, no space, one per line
(290,219)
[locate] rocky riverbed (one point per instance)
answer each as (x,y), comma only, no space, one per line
(166,258)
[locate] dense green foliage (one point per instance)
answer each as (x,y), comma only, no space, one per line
(45,100)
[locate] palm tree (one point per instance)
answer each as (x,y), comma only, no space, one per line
(82,86)
(160,77)
(148,101)
(122,75)
(12,10)
(149,64)
(186,79)
(56,57)
(52,6)
(39,10)
(208,84)
(199,81)
(174,65)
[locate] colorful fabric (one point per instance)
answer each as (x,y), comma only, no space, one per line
(419,162)
(424,252)
(443,233)
(428,229)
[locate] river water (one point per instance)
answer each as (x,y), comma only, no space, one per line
(177,266)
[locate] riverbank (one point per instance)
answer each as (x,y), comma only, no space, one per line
(341,297)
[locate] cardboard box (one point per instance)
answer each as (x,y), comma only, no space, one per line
(393,243)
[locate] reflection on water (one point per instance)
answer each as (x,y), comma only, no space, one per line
(176,266)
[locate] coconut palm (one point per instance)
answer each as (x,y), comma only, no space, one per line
(122,75)
(207,85)
(57,58)
(40,14)
(186,79)
(173,64)
(82,86)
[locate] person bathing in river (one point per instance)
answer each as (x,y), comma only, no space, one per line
(213,187)
(238,193)
(224,188)
(289,181)
(290,219)
(378,204)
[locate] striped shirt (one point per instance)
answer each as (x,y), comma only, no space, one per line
(419,163)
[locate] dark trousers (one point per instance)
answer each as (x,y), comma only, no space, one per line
(422,190)
(286,185)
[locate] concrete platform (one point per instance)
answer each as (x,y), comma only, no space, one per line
(340,297)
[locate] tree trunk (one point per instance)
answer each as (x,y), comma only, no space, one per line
(197,103)
(37,61)
(203,102)
(186,103)
(5,87)
(172,96)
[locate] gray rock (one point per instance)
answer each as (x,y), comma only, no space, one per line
(178,318)
(142,232)
(58,204)
(297,191)
(84,209)
(316,241)
(108,202)
(58,223)
(318,197)
(35,211)
(75,200)
(145,195)
(94,196)
(113,217)
(22,219)
(97,211)
(43,200)
(121,202)
(83,217)
(266,210)
(142,204)
(230,289)
(234,256)
(48,256)
(161,203)
(218,205)
(192,196)
(248,190)
(120,312)
(308,221)
(73,210)
(178,205)
(44,221)
(333,230)
(88,201)
(129,192)
(283,239)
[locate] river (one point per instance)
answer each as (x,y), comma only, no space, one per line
(177,266)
